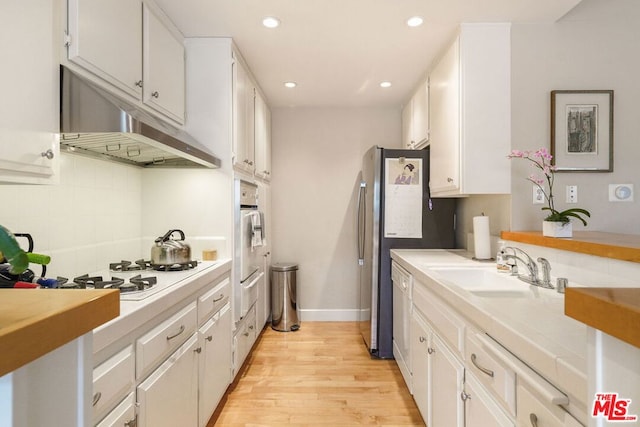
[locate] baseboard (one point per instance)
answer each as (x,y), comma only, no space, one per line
(329,315)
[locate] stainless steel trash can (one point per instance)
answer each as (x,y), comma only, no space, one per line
(284,308)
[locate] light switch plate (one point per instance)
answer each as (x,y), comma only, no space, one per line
(621,192)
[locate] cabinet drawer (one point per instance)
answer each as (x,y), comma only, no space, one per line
(530,407)
(401,278)
(153,346)
(112,380)
(449,325)
(499,379)
(123,415)
(212,301)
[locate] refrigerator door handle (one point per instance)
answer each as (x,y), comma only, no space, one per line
(362,212)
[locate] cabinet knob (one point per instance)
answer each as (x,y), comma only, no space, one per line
(422,339)
(250,163)
(198,350)
(209,338)
(156,94)
(534,420)
(138,84)
(465,396)
(48,154)
(131,423)
(430,350)
(449,179)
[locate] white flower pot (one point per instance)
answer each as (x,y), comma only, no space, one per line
(557,229)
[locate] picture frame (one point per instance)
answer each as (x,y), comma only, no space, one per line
(582,130)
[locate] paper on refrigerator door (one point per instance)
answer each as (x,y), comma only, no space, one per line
(403,198)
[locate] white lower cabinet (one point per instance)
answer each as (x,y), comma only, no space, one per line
(447,378)
(244,338)
(480,410)
(169,396)
(111,380)
(215,362)
(419,354)
(123,415)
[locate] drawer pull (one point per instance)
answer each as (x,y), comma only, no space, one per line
(219,298)
(483,370)
(209,338)
(170,337)
(465,396)
(198,350)
(246,334)
(534,419)
(430,350)
(96,398)
(422,339)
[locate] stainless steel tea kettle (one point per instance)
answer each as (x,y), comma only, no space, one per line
(168,251)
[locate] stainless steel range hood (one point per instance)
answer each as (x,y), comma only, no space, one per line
(96,123)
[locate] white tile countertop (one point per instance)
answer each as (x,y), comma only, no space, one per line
(533,328)
(135,314)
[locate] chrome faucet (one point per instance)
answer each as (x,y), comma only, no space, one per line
(531,265)
(546,273)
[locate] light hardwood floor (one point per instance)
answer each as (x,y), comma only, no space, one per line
(319,375)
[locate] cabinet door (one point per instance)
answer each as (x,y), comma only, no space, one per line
(122,415)
(262,138)
(447,376)
(106,39)
(164,68)
(29,83)
(420,115)
(445,122)
(243,118)
(401,324)
(480,409)
(407,135)
(169,396)
(215,363)
(419,347)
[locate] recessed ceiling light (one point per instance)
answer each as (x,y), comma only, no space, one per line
(385,84)
(415,21)
(290,85)
(271,22)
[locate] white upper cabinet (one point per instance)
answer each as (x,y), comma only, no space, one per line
(244,115)
(415,118)
(29,118)
(262,138)
(163,67)
(105,37)
(133,47)
(470,107)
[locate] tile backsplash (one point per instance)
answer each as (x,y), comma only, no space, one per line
(94,214)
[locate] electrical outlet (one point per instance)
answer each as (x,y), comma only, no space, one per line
(572,194)
(538,196)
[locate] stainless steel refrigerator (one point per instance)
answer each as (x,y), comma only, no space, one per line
(395,211)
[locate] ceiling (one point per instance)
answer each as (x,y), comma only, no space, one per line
(338,51)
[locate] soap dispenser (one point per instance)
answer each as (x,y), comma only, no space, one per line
(501,259)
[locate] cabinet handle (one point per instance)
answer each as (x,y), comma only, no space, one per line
(48,154)
(534,419)
(139,84)
(250,163)
(219,298)
(156,94)
(96,398)
(209,338)
(465,396)
(431,350)
(422,339)
(449,179)
(170,337)
(198,350)
(251,327)
(246,334)
(483,370)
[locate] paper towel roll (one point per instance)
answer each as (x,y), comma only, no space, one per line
(481,239)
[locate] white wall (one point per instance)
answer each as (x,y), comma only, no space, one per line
(317,154)
(593,47)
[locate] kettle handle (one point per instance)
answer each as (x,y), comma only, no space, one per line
(168,234)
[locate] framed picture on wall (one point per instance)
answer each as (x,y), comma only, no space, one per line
(582,130)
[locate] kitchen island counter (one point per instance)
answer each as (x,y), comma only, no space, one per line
(34,322)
